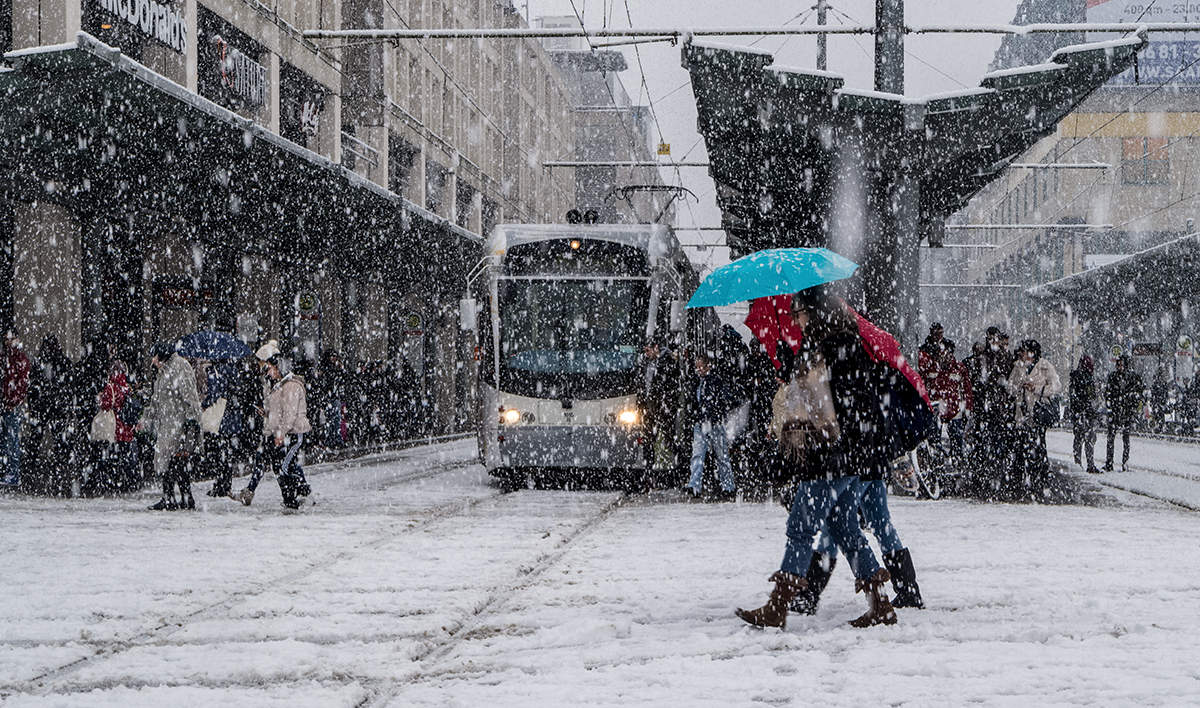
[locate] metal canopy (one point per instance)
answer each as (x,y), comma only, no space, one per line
(788,146)
(86,127)
(1140,285)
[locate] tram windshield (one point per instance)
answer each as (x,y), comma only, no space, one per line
(573,337)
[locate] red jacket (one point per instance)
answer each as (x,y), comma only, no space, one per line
(770,320)
(16,378)
(112,398)
(952,387)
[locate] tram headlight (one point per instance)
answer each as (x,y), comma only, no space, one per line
(629,417)
(512,416)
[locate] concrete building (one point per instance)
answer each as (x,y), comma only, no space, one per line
(1146,128)
(609,127)
(170,165)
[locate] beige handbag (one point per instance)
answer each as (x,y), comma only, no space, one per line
(210,418)
(104,427)
(802,414)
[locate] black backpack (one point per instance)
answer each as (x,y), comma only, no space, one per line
(131,410)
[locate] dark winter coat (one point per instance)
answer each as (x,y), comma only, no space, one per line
(711,399)
(880,415)
(1082,396)
(1123,396)
(52,396)
(660,397)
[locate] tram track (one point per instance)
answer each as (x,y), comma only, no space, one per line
(44,683)
(495,600)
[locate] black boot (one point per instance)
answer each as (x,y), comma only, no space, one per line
(819,571)
(904,579)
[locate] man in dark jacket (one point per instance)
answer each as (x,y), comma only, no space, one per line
(710,402)
(52,401)
(1123,396)
(659,399)
(1083,396)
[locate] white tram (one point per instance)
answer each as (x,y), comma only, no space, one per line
(562,314)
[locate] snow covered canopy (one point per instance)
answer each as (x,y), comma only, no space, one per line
(1143,284)
(87,127)
(784,142)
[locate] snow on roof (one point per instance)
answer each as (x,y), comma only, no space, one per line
(1131,41)
(881,95)
(34,51)
(958,93)
(1021,70)
(702,44)
(781,69)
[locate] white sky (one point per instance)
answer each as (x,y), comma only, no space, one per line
(935,63)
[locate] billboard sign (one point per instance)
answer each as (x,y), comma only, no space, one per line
(1167,53)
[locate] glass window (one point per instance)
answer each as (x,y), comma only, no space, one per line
(583,326)
(1145,161)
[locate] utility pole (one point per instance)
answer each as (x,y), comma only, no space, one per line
(822,8)
(889,46)
(890,286)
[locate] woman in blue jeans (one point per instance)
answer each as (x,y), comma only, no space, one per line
(827,494)
(873,507)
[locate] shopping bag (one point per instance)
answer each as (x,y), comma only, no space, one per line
(210,418)
(104,427)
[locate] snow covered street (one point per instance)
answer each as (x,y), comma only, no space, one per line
(413,581)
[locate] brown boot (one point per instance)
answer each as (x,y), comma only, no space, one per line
(879,609)
(774,613)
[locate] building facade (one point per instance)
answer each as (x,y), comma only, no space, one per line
(1119,178)
(171,166)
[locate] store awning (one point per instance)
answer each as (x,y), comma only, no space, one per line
(87,127)
(1142,284)
(788,145)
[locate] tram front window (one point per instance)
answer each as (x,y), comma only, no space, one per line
(577,338)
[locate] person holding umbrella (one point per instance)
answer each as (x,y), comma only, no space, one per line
(879,410)
(221,421)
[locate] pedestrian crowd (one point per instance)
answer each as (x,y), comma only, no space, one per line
(98,425)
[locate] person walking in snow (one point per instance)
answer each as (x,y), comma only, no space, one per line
(711,401)
(1123,394)
(286,423)
(173,415)
(827,450)
(14,389)
(1083,399)
(1033,382)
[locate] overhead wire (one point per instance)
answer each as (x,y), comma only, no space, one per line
(653,111)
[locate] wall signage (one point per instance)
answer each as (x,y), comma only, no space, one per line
(158,20)
(240,75)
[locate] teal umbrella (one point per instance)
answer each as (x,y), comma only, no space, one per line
(775,271)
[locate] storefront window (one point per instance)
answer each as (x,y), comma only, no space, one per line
(228,66)
(301,105)
(401,158)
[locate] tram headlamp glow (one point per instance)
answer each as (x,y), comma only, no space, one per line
(630,417)
(512,416)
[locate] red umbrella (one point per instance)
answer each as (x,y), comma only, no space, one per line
(770,320)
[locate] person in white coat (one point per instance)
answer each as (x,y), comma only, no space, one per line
(1035,384)
(173,415)
(286,423)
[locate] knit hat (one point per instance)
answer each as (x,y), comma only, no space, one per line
(268,351)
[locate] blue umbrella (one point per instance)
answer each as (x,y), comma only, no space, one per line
(775,271)
(213,345)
